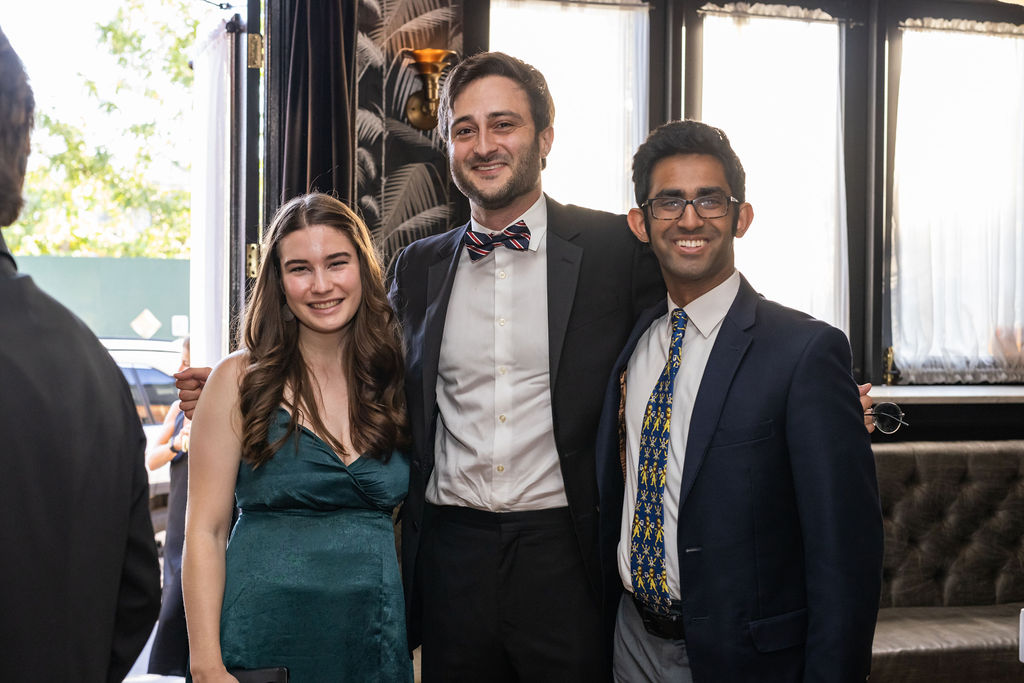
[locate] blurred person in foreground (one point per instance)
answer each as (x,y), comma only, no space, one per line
(80,580)
(169,654)
(300,428)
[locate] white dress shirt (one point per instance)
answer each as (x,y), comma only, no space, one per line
(645,366)
(495,447)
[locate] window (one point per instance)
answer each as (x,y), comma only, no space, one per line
(152,390)
(772,84)
(600,110)
(883,147)
(957,259)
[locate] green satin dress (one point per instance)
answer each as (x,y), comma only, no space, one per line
(312,578)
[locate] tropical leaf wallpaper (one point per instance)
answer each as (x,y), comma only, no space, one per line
(403,186)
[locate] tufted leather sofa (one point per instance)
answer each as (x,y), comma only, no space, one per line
(953,573)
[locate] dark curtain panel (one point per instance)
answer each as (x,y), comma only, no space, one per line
(318,142)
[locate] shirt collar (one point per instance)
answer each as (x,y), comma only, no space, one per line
(708,310)
(536,219)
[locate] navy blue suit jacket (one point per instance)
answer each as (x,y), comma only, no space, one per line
(599,279)
(780,529)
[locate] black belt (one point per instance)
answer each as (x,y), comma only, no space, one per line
(662,625)
(546,518)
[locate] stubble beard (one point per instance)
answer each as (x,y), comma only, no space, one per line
(525,175)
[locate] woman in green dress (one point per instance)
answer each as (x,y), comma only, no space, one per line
(301,429)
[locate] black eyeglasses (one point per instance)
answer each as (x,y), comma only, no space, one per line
(713,205)
(888,417)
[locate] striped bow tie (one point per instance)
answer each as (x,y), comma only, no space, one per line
(480,244)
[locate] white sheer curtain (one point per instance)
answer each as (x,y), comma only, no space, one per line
(773,84)
(208,273)
(958,208)
(594,58)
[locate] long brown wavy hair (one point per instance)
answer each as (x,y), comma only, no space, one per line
(372,354)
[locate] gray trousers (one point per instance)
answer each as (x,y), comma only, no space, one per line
(639,657)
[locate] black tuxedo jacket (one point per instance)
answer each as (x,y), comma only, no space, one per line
(599,279)
(79,582)
(780,529)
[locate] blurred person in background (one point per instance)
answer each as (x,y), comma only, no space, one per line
(169,655)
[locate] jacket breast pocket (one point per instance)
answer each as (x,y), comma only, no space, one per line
(728,435)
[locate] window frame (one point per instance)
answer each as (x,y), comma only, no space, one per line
(870,44)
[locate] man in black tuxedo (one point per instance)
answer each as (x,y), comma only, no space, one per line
(79,583)
(508,349)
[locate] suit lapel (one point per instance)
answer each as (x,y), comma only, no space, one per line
(729,349)
(564,260)
(440,278)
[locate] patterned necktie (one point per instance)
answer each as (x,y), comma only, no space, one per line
(480,244)
(647,539)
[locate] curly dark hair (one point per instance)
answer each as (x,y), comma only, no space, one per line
(482,64)
(17,106)
(686,137)
(372,357)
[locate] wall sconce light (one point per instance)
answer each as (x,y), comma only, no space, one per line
(421,107)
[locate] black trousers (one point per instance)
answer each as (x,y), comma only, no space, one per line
(505,598)
(169,655)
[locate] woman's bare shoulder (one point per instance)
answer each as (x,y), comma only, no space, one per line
(231,366)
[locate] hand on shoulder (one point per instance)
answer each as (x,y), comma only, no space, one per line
(222,382)
(191,382)
(865,404)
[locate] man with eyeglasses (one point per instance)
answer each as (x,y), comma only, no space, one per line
(749,544)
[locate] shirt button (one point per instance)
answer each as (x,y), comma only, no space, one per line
(500,468)
(501,418)
(502,370)
(501,321)
(502,275)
